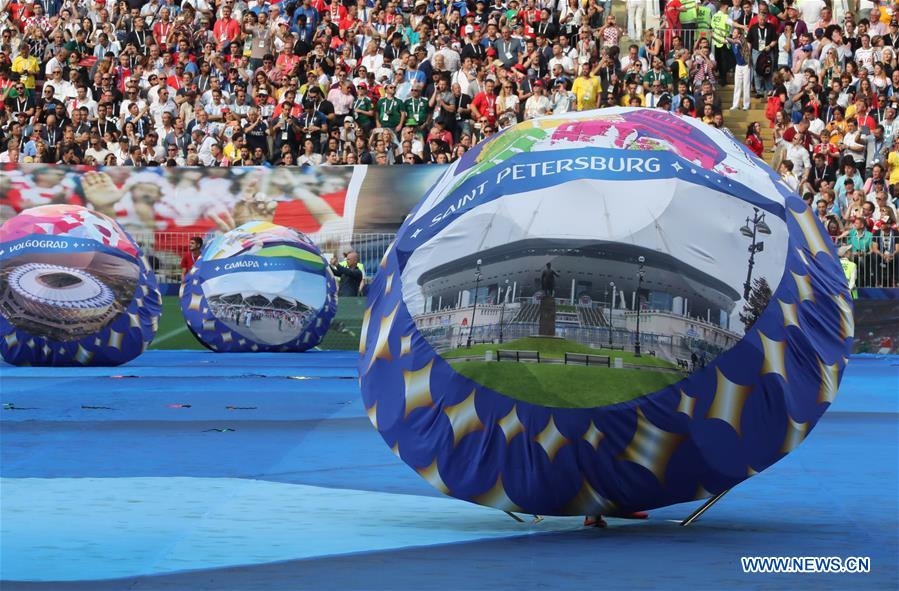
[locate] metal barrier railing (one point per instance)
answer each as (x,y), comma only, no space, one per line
(165,249)
(873,268)
(688,37)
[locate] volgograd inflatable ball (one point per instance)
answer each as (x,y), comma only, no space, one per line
(74,290)
(259,287)
(603,312)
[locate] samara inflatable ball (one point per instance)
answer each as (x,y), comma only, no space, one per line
(74,290)
(603,312)
(259,287)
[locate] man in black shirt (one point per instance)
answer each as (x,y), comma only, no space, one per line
(350,275)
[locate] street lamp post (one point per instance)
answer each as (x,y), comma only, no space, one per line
(611,310)
(640,274)
(474,308)
(502,312)
(758,226)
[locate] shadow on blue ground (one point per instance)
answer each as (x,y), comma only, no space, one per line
(835,496)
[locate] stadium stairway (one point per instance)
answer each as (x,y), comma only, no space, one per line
(528,314)
(737,121)
(590,317)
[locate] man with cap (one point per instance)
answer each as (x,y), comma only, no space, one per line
(562,100)
(891,39)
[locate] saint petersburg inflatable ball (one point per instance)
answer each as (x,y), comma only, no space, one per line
(74,290)
(603,312)
(260,287)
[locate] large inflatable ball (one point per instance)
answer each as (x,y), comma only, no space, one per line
(603,312)
(259,287)
(74,290)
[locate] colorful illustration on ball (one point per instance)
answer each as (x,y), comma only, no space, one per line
(259,287)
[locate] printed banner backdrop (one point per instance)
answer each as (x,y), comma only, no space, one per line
(339,200)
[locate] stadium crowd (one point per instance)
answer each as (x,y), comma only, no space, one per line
(308,82)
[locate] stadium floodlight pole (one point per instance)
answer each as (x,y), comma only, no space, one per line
(640,274)
(502,312)
(758,227)
(474,308)
(611,311)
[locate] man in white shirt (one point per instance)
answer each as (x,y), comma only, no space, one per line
(164,104)
(864,55)
(810,10)
(561,59)
(451,58)
(82,100)
(63,90)
(632,57)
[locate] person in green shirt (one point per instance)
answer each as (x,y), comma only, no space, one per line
(658,72)
(363,108)
(861,239)
(390,109)
(416,108)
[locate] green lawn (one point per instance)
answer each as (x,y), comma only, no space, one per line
(555,349)
(569,386)
(343,334)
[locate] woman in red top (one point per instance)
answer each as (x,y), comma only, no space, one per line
(754,138)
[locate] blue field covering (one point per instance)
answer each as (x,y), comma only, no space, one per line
(196,470)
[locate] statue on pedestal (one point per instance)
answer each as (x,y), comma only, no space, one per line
(548,280)
(547,318)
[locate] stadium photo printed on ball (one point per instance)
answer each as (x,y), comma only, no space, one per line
(603,312)
(259,287)
(74,282)
(578,247)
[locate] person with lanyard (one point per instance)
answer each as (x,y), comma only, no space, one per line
(19,101)
(876,148)
(416,108)
(483,106)
(26,65)
(762,38)
(658,74)
(312,122)
(390,110)
(363,108)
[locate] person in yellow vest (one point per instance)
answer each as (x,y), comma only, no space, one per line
(688,14)
(586,89)
(26,65)
(850,269)
(722,25)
